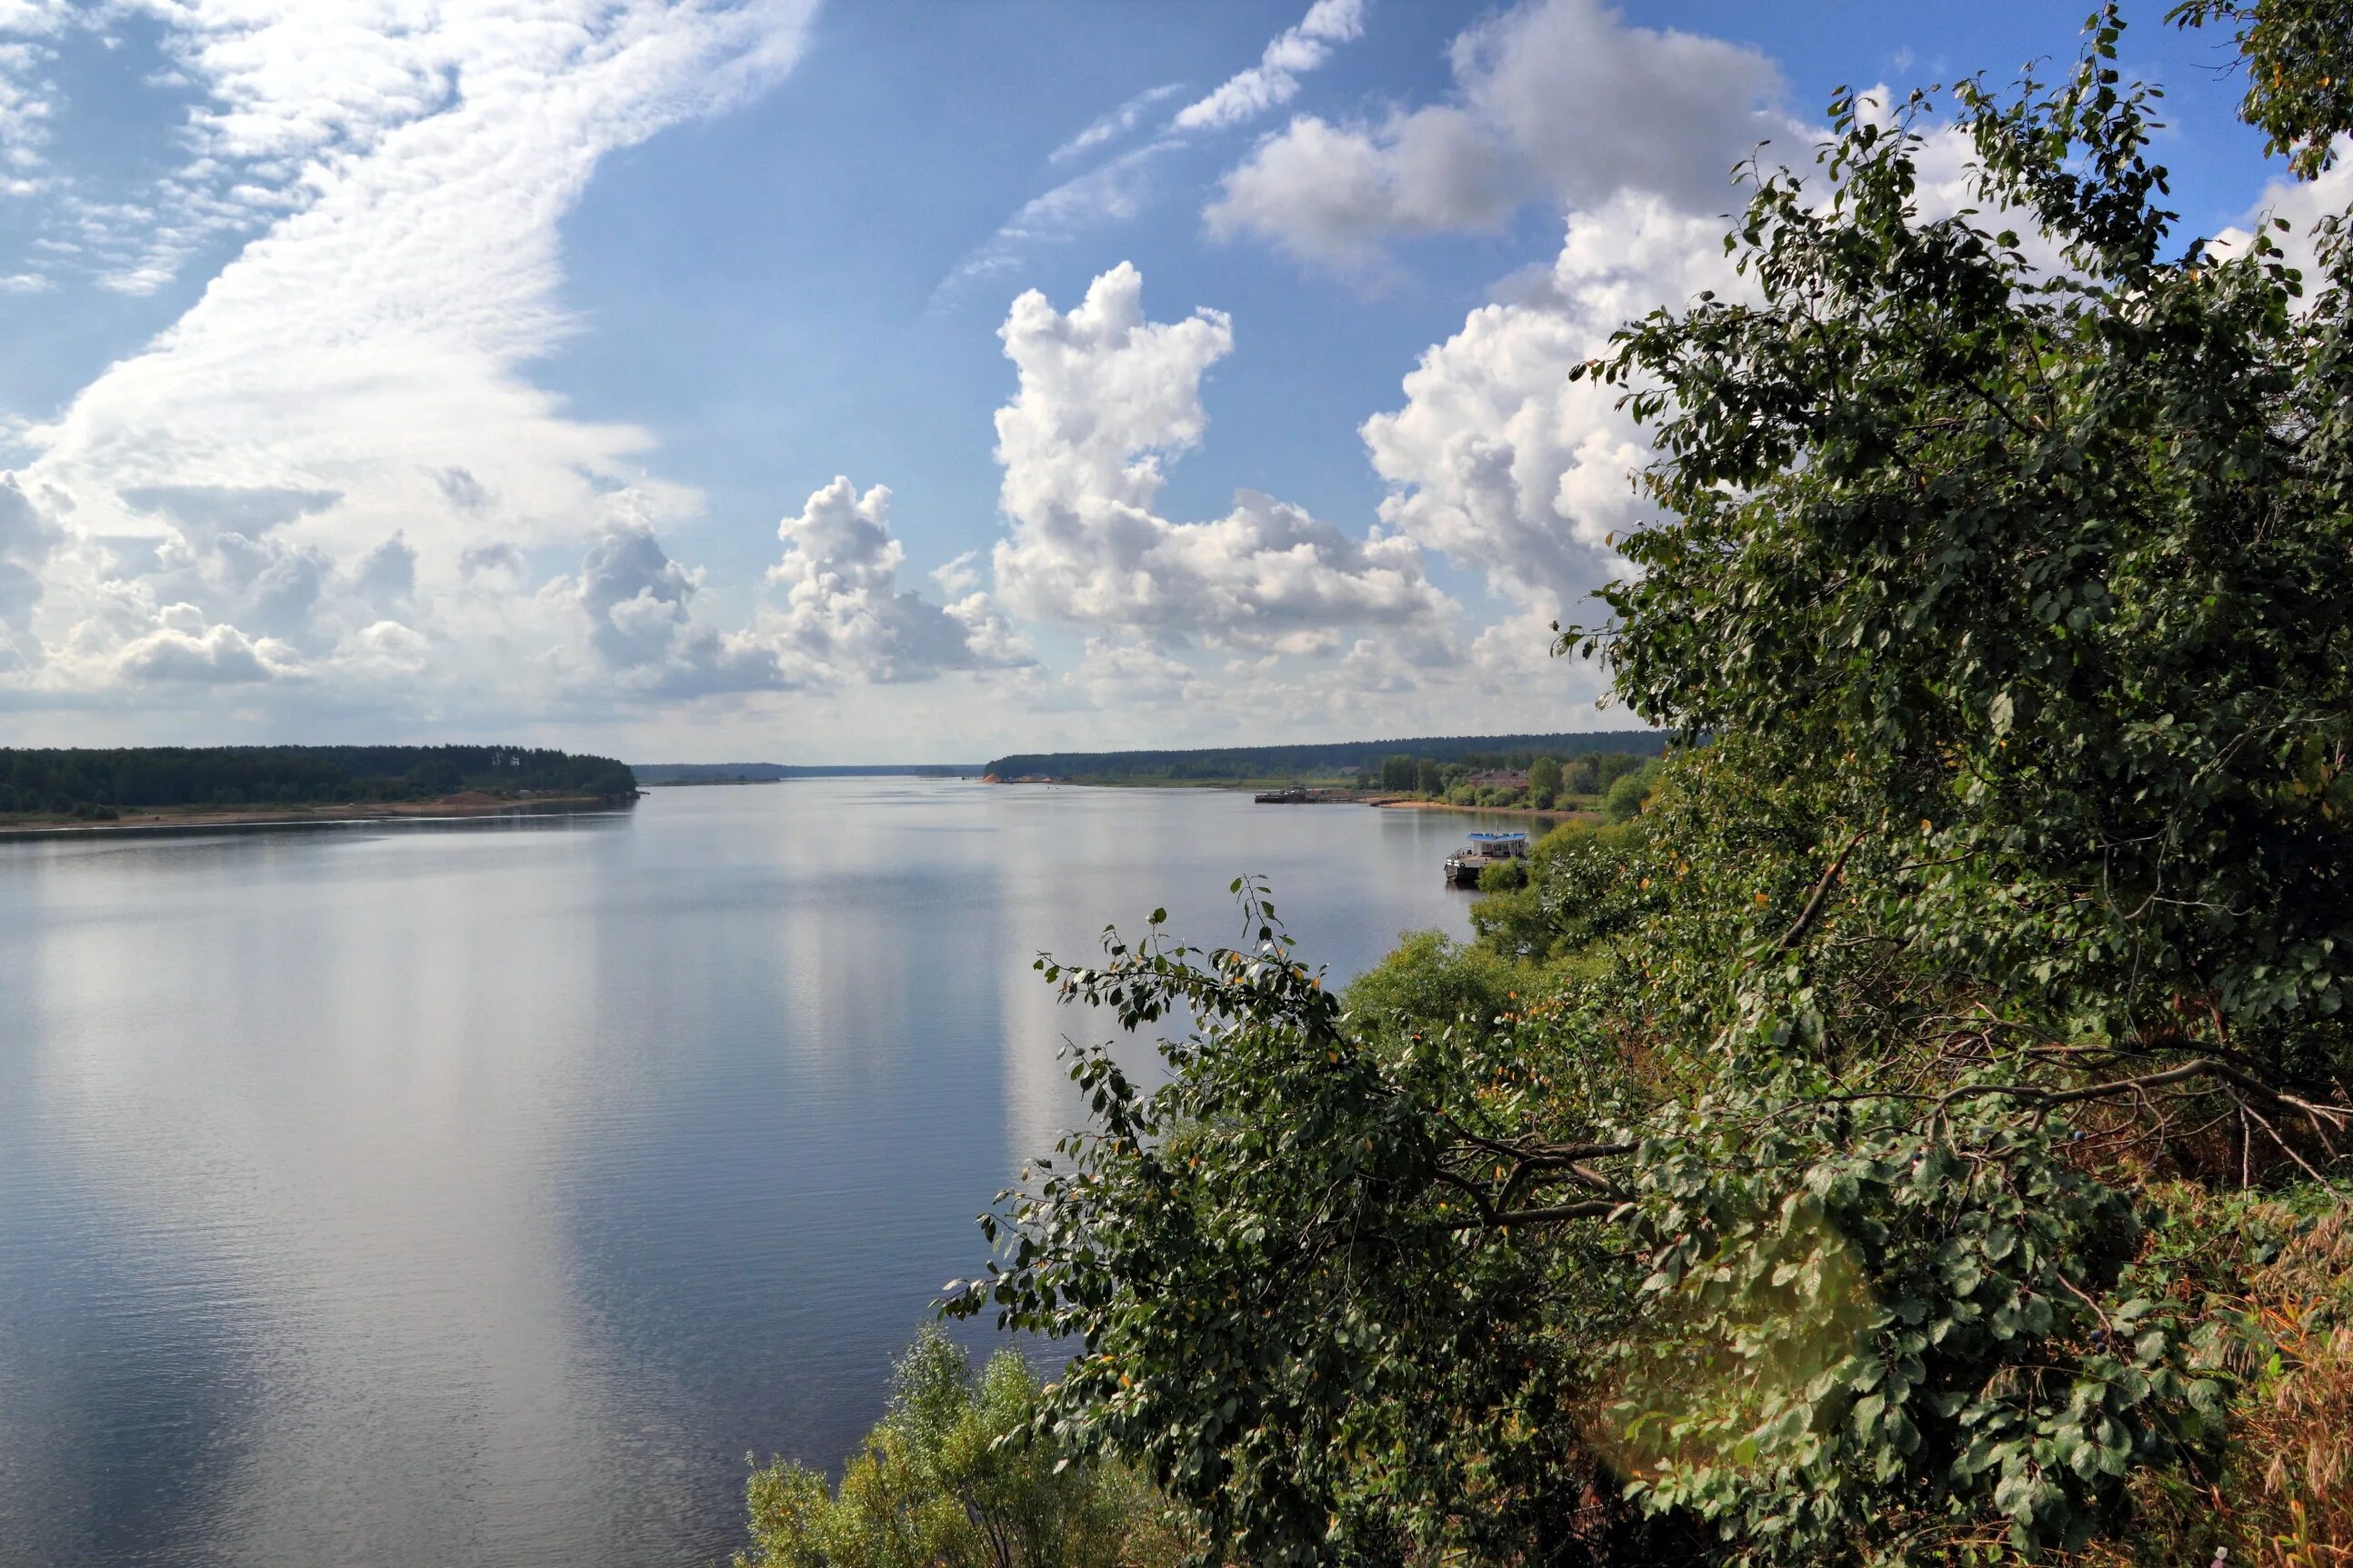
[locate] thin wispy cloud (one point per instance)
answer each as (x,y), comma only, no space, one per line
(1115,124)
(1112,192)
(1274,80)
(1116,191)
(29,31)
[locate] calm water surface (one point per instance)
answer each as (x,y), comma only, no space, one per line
(422,1196)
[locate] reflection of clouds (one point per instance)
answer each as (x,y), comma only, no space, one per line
(791,1168)
(62,1247)
(1080,860)
(354,1162)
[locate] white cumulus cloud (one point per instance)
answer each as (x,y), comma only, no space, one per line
(1497,458)
(1105,397)
(27,538)
(184,650)
(836,614)
(1560,101)
(844,612)
(1500,460)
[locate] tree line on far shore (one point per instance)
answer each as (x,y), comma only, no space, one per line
(1614,781)
(98,783)
(1336,762)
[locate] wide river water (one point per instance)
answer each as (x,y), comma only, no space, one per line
(430,1195)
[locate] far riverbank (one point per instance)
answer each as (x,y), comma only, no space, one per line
(466,803)
(1332,795)
(1554,815)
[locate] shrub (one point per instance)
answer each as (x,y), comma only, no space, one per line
(1625,797)
(954,1474)
(1503,878)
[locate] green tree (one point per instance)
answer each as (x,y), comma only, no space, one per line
(1625,796)
(1544,783)
(1288,1307)
(2299,56)
(1429,778)
(1570,871)
(1429,980)
(953,1477)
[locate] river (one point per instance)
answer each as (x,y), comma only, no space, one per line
(429,1195)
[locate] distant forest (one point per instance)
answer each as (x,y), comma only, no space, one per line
(1346,759)
(96,781)
(769,773)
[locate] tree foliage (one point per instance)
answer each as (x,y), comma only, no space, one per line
(1272,1263)
(2050,563)
(1544,781)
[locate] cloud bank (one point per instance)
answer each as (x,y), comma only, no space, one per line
(333,488)
(330,439)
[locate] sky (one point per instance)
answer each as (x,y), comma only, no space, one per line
(884,381)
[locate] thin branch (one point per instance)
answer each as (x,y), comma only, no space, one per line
(1806,916)
(2283,1143)
(1559,1214)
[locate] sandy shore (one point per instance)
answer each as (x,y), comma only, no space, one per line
(468,803)
(1556,814)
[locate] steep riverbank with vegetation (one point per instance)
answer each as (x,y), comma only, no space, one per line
(1921,1131)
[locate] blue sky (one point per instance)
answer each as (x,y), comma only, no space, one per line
(392,370)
